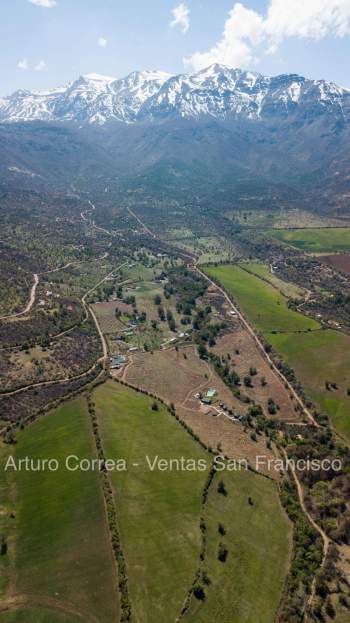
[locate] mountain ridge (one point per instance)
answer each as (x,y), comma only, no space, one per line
(218,91)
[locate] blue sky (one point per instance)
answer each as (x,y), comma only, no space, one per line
(46,43)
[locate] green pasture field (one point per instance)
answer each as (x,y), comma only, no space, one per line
(325,240)
(59,544)
(159,516)
(37,615)
(264,305)
(247,588)
(158,511)
(318,357)
(290,290)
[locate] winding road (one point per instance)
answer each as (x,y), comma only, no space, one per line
(325,539)
(30,302)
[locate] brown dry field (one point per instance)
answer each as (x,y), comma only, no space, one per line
(250,357)
(105,313)
(340,261)
(175,379)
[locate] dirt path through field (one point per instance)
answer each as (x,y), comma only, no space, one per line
(42,601)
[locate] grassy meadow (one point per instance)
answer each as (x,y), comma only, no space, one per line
(319,357)
(58,541)
(37,615)
(159,515)
(246,588)
(158,511)
(290,290)
(261,302)
(325,240)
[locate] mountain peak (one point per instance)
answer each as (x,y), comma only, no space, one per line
(217,91)
(98,78)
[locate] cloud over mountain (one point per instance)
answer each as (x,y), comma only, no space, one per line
(248,35)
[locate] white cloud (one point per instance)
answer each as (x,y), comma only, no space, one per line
(47,4)
(22,64)
(248,34)
(181,15)
(40,66)
(102,42)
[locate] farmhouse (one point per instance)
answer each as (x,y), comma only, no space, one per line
(117,362)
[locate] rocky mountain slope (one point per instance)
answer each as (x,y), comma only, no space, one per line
(221,136)
(218,91)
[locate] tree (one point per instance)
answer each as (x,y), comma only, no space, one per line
(221,488)
(155,406)
(248,381)
(202,351)
(199,593)
(223,552)
(157,299)
(3,546)
(271,407)
(221,529)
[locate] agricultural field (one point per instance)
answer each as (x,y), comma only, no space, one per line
(248,586)
(35,615)
(59,556)
(161,566)
(264,384)
(321,357)
(264,305)
(318,356)
(143,316)
(280,219)
(178,380)
(289,290)
(322,240)
(339,261)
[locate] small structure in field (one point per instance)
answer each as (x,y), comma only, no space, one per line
(117,362)
(211,393)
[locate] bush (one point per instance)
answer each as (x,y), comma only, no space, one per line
(222,553)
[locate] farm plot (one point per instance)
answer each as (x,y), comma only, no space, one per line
(264,305)
(105,313)
(158,511)
(322,361)
(339,261)
(177,380)
(247,584)
(55,526)
(289,290)
(325,240)
(37,615)
(320,358)
(245,357)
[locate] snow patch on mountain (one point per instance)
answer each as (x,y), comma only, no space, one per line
(217,91)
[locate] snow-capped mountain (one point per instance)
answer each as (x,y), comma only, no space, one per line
(90,99)
(218,91)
